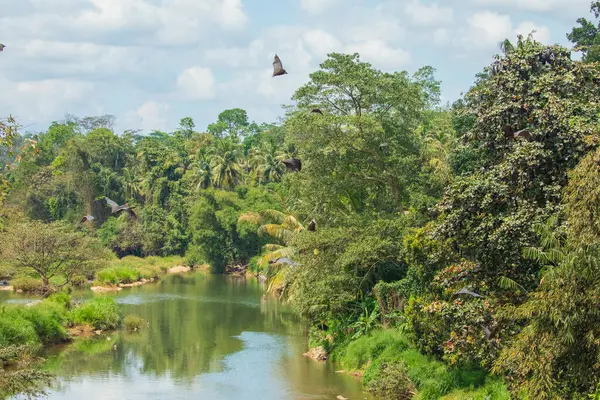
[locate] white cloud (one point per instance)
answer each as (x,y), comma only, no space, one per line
(427,15)
(197,83)
(168,22)
(80,58)
(317,6)
(380,54)
(31,101)
(537,5)
(542,33)
(320,43)
(488,28)
(231,13)
(150,116)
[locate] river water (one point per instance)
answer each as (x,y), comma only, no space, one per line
(209,337)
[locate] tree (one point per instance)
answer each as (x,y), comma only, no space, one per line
(556,354)
(539,92)
(186,127)
(231,123)
(50,251)
(21,372)
(267,163)
(582,198)
(226,169)
(364,152)
(586,36)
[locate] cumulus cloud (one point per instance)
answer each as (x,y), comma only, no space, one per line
(540,32)
(380,53)
(427,15)
(320,43)
(317,6)
(168,22)
(197,83)
(82,56)
(35,101)
(486,30)
(151,115)
(537,5)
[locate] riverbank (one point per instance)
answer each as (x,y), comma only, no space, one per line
(391,367)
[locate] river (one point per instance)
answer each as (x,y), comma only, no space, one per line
(209,337)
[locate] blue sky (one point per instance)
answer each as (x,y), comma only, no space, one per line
(152,62)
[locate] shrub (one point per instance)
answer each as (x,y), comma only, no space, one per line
(101,313)
(134,322)
(62,299)
(28,284)
(391,382)
(22,376)
(47,319)
(15,329)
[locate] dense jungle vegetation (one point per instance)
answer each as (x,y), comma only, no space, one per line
(498,194)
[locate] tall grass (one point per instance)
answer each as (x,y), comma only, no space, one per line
(132,269)
(43,323)
(385,351)
(101,313)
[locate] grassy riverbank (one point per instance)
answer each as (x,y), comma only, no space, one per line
(393,368)
(24,330)
(132,269)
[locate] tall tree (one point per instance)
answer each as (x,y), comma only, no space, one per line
(586,36)
(364,152)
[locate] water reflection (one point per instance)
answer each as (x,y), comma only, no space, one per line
(210,337)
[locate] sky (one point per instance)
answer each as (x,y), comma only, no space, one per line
(152,62)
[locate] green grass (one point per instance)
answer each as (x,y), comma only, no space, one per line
(493,389)
(101,313)
(43,323)
(389,350)
(132,269)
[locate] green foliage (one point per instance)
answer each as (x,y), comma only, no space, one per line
(132,269)
(42,323)
(365,152)
(133,322)
(391,382)
(28,284)
(51,251)
(487,215)
(102,313)
(586,36)
(582,200)
(20,372)
(454,331)
(556,354)
(15,329)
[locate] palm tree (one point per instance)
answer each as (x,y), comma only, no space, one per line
(226,169)
(131,183)
(203,172)
(282,228)
(267,164)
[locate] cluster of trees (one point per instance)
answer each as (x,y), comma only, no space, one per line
(497,194)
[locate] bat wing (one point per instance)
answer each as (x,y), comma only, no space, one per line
(278,66)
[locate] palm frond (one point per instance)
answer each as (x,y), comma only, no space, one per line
(276,216)
(272,247)
(252,217)
(275,231)
(509,284)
